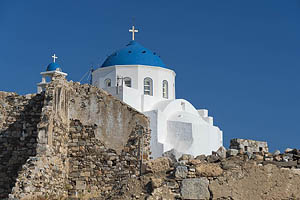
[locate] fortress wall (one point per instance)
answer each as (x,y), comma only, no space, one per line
(82,143)
(45,174)
(105,142)
(19,117)
(115,120)
(95,170)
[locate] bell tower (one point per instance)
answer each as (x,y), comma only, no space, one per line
(52,69)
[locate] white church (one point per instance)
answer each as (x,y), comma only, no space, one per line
(138,77)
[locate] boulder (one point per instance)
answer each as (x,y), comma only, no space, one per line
(288,150)
(181,172)
(186,157)
(221,152)
(171,154)
(157,165)
(212,158)
(209,170)
(195,162)
(277,158)
(231,152)
(277,152)
(195,188)
(201,157)
(285,158)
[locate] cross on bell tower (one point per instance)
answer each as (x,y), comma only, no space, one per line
(133,31)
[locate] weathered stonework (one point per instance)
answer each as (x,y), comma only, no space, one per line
(78,142)
(19,116)
(250,146)
(72,141)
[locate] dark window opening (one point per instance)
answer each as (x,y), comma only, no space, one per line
(127,81)
(148,86)
(165,89)
(245,148)
(260,148)
(107,82)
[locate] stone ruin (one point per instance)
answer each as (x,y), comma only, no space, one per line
(78,142)
(225,175)
(71,141)
(250,146)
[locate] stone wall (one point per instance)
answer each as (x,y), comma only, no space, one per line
(96,170)
(45,174)
(250,146)
(19,117)
(77,141)
(114,119)
(261,176)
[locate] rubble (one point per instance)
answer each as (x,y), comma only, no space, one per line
(58,145)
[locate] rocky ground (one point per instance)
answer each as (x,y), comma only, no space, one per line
(224,175)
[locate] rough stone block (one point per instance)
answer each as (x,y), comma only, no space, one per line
(157,165)
(186,157)
(232,152)
(171,154)
(209,170)
(212,158)
(201,157)
(195,188)
(221,152)
(277,152)
(181,172)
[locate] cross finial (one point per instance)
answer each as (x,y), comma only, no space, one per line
(54,58)
(133,31)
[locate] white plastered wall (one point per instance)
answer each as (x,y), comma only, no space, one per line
(181,124)
(137,73)
(174,123)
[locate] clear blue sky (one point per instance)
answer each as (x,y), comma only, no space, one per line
(239,59)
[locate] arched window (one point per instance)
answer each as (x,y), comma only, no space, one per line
(148,86)
(127,81)
(107,82)
(165,89)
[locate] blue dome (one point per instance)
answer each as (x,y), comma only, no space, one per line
(133,54)
(52,66)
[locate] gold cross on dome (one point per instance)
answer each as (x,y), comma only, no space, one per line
(133,31)
(54,58)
